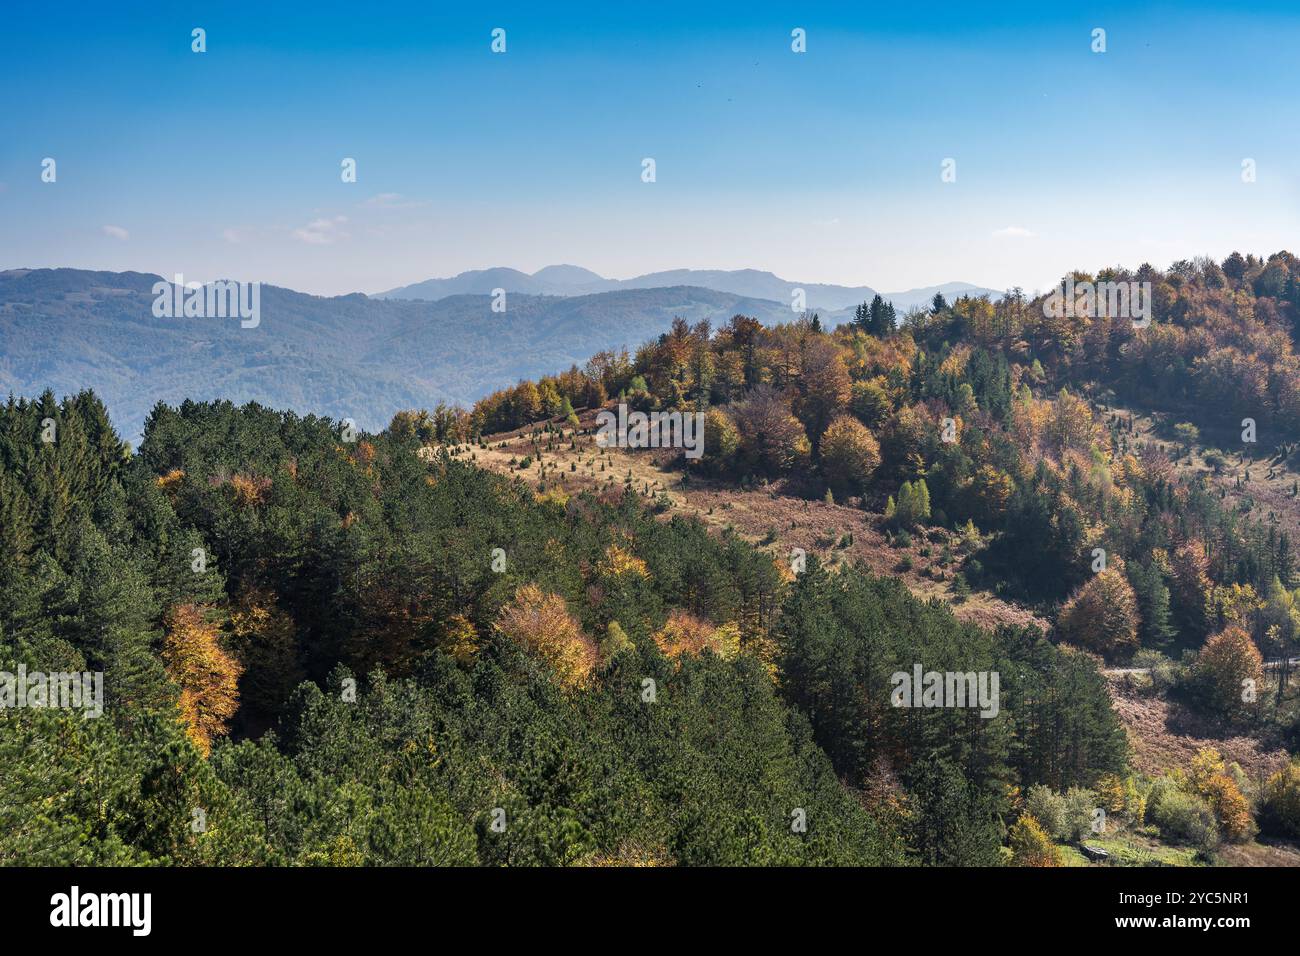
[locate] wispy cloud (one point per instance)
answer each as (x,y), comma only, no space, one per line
(1013,232)
(392,201)
(322,232)
(117,232)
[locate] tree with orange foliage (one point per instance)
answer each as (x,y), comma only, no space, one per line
(823,387)
(1224,671)
(541,624)
(1102,615)
(208,676)
(1209,777)
(684,633)
(249,491)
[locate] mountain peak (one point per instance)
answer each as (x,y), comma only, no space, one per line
(565,274)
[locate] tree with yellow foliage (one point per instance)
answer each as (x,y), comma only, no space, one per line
(458,638)
(1279,802)
(683,633)
(1030,844)
(1228,668)
(620,561)
(1208,776)
(208,676)
(541,624)
(616,642)
(1110,792)
(850,455)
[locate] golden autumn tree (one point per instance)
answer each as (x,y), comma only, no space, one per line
(541,624)
(619,561)
(1030,844)
(1102,615)
(1110,792)
(458,638)
(208,676)
(850,455)
(1228,672)
(1209,777)
(684,633)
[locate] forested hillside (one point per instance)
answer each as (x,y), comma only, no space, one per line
(328,647)
(614,688)
(1006,422)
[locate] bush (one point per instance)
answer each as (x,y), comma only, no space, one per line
(1080,805)
(1164,672)
(1048,809)
(1182,815)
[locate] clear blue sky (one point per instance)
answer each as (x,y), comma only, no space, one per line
(823,166)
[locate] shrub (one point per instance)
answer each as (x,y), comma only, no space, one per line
(1030,844)
(1164,672)
(1080,805)
(1048,809)
(1182,815)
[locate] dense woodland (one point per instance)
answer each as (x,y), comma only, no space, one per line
(327,649)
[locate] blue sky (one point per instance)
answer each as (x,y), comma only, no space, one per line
(821,167)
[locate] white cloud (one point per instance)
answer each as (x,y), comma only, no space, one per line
(322,232)
(391,201)
(230,235)
(1012,232)
(117,232)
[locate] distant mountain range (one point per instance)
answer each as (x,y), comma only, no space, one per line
(347,357)
(566,280)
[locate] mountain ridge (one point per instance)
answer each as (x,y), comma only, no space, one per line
(755,283)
